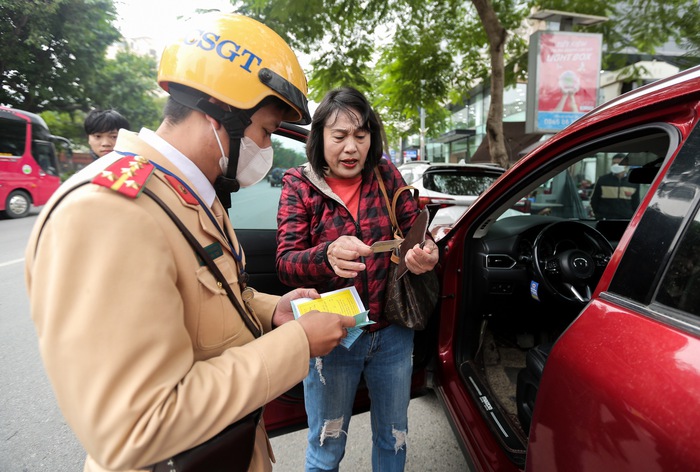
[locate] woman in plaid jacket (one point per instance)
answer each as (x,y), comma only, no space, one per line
(331,210)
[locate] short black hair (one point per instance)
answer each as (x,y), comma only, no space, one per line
(346,100)
(183,100)
(174,111)
(620,157)
(102,121)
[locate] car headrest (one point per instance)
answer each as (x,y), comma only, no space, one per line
(642,175)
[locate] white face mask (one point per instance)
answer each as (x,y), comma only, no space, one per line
(617,169)
(253,163)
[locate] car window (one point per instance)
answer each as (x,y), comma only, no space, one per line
(587,189)
(412,172)
(457,183)
(680,287)
(668,212)
(255,207)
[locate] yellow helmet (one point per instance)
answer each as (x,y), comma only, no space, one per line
(238,61)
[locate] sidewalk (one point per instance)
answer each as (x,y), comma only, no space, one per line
(432,445)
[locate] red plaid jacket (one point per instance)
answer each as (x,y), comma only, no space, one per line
(311,216)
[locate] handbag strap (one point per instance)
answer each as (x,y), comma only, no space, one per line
(391,207)
(204,255)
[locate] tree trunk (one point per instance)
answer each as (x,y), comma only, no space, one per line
(494,122)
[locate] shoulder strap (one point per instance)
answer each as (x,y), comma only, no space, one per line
(204,255)
(391,207)
(198,249)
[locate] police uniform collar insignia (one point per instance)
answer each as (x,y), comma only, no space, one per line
(181,190)
(127,175)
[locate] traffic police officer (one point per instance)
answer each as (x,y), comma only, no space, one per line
(147,353)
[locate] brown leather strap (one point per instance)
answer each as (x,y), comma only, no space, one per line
(391,207)
(190,239)
(208,260)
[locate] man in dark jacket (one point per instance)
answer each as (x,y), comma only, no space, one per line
(614,196)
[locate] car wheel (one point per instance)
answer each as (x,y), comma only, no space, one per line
(17,204)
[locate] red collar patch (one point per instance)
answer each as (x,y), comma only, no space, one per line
(181,190)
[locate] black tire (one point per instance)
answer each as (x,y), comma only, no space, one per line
(17,204)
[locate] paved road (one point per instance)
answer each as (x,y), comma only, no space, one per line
(33,434)
(432,446)
(35,437)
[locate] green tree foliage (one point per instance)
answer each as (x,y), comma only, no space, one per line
(639,27)
(407,54)
(49,50)
(53,61)
(67,124)
(404,54)
(286,157)
(127,83)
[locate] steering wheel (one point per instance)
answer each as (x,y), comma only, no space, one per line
(569,258)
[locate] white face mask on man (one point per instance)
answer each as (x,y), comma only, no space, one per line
(617,169)
(253,162)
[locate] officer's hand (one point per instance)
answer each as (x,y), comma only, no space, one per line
(324,330)
(283,312)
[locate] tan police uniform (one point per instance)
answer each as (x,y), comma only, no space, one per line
(146,354)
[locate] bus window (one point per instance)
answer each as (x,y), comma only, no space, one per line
(45,155)
(12,138)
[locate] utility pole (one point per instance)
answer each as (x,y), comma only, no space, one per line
(422,134)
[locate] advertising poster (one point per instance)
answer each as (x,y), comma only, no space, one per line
(568,72)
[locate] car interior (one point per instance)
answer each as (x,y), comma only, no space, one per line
(531,263)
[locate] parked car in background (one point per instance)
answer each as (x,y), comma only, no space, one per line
(412,171)
(448,189)
(562,342)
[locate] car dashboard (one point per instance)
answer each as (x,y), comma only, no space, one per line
(504,265)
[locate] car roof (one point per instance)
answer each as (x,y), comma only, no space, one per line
(486,168)
(408,163)
(675,86)
(443,165)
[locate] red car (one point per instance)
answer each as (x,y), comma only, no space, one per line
(564,341)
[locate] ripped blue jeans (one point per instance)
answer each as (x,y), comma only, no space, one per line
(385,359)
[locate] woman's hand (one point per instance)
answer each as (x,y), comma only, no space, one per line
(420,260)
(343,253)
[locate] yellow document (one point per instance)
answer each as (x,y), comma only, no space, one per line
(342,302)
(345,301)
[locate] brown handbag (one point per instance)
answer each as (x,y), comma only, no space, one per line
(409,299)
(229,451)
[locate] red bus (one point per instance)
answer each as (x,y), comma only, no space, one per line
(29,172)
